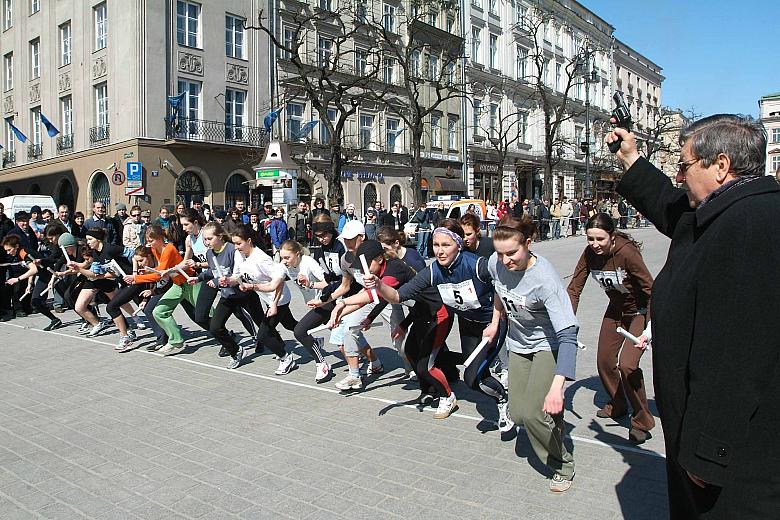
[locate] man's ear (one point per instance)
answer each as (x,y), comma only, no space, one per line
(723,162)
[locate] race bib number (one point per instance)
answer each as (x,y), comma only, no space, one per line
(610,280)
(461,296)
(331,263)
(201,259)
(514,304)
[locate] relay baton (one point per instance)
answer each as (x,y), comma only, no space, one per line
(623,332)
(374,295)
(480,347)
(65,252)
(315,330)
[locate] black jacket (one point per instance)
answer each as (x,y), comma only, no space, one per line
(27,240)
(388,219)
(715,343)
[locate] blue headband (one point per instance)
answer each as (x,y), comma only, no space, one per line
(444,231)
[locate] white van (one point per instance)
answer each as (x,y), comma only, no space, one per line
(16,203)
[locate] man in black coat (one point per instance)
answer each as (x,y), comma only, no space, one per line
(716,346)
(395,218)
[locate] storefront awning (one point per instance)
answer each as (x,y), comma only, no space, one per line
(449,185)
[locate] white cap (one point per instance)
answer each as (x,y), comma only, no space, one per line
(352,229)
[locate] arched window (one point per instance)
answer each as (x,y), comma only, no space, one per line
(64,194)
(369,197)
(100,190)
(236,190)
(189,187)
(304,191)
(395,195)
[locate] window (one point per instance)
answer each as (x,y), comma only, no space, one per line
(475,42)
(558,84)
(452,133)
(235,103)
(234,36)
(520,11)
(324,51)
(578,140)
(35,6)
(476,113)
(476,3)
(101,105)
(522,125)
(493,58)
(66,111)
(35,126)
(294,121)
(366,129)
(559,36)
(101,26)
(388,70)
(493,7)
(35,59)
(389,18)
(361,11)
(493,120)
(433,67)
(65,38)
(189,110)
(391,130)
(325,5)
(775,163)
(361,56)
(450,73)
(435,131)
(8,71)
(776,135)
(10,137)
(8,14)
(188,23)
(546,72)
(450,25)
(324,132)
(433,15)
(522,59)
(414,64)
(289,42)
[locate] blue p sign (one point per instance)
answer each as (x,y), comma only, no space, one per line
(134,171)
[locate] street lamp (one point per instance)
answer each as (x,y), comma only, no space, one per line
(589,76)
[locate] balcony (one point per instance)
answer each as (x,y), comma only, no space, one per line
(64,144)
(9,158)
(34,151)
(99,135)
(215,132)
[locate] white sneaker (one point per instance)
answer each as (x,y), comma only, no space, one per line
(125,342)
(503,378)
(505,423)
(412,375)
(447,406)
(323,373)
(236,361)
(350,383)
(131,335)
(97,329)
(172,348)
(286,365)
(84,328)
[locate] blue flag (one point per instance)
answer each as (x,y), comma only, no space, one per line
(18,133)
(175,101)
(305,129)
(270,119)
(50,128)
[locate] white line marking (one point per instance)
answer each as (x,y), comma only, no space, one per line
(577,438)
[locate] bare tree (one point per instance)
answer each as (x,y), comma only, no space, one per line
(428,61)
(320,62)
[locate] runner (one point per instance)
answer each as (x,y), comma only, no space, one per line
(472,236)
(254,270)
(21,269)
(310,277)
(542,341)
(465,287)
(614,260)
(44,267)
(135,285)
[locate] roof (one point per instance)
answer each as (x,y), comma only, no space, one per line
(771,96)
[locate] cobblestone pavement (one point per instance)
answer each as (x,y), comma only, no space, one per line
(89,433)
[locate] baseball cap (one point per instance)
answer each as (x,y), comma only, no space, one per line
(352,229)
(66,240)
(371,249)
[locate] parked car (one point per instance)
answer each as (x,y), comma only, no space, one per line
(455,207)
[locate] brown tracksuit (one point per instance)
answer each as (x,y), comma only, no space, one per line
(624,277)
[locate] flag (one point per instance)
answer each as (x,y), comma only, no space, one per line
(18,133)
(270,119)
(50,128)
(305,129)
(396,133)
(175,101)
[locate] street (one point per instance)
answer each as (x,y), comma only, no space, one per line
(89,433)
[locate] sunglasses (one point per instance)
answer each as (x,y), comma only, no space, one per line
(135,214)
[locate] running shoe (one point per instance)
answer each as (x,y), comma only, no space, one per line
(286,365)
(172,348)
(223,352)
(350,383)
(323,373)
(154,347)
(85,327)
(412,375)
(447,406)
(131,335)
(559,484)
(503,377)
(236,361)
(374,370)
(55,324)
(97,329)
(125,343)
(505,422)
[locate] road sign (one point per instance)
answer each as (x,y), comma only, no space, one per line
(118,178)
(135,179)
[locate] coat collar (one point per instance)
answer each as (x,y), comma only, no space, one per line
(718,205)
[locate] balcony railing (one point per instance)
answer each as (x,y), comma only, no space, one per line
(9,158)
(64,144)
(34,151)
(215,132)
(99,135)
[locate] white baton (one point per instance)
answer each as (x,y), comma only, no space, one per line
(374,295)
(623,332)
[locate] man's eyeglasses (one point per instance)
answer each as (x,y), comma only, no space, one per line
(682,166)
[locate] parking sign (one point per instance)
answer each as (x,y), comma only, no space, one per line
(135,179)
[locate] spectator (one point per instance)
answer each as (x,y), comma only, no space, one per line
(47,215)
(379,208)
(119,219)
(278,230)
(394,218)
(242,212)
(420,218)
(6,224)
(439,215)
(63,217)
(555,219)
(370,224)
(134,229)
(165,219)
(234,221)
(566,212)
(78,230)
(100,220)
(319,208)
(207,217)
(298,224)
(219,216)
(335,212)
(27,237)
(197,205)
(36,223)
(349,214)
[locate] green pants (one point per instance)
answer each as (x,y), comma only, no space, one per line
(163,311)
(530,377)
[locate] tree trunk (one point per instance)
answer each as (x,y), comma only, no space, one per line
(335,191)
(417,168)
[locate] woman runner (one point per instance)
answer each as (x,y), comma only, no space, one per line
(614,260)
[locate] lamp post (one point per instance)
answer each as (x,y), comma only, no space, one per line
(589,76)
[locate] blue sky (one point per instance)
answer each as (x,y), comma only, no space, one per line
(717,55)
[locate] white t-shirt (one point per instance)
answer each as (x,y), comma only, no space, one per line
(312,270)
(259,268)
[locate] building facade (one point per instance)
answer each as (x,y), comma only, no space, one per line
(102,72)
(769,108)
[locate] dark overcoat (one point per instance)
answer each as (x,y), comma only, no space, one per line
(716,343)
